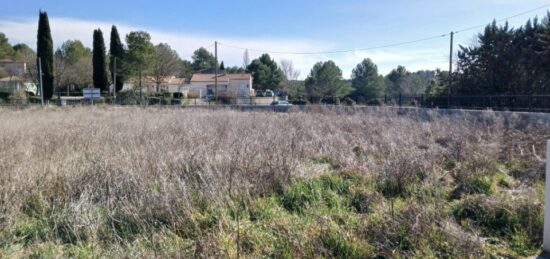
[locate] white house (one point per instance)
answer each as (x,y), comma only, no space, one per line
(229,85)
(13,68)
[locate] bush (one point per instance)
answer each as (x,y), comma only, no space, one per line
(19,97)
(519,221)
(165,100)
(127,97)
(5,94)
(339,245)
(154,100)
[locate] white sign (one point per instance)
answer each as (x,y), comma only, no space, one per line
(91,93)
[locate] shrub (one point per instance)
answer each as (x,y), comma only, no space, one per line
(517,220)
(127,97)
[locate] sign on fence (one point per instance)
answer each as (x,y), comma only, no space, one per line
(91,93)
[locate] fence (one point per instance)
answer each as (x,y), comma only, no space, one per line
(535,103)
(531,103)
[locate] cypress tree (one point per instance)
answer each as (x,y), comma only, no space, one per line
(116,50)
(98,59)
(44,51)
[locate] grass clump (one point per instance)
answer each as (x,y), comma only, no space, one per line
(517,220)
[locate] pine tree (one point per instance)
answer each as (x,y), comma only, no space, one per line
(116,51)
(44,47)
(100,72)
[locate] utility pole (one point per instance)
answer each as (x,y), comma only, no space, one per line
(140,87)
(41,87)
(216,75)
(450,71)
(114,81)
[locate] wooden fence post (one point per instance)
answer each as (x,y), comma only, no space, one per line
(399,99)
(546,235)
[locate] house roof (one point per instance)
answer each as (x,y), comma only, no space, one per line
(221,77)
(10,61)
(172,80)
(11,79)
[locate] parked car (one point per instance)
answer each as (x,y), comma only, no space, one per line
(279,92)
(260,93)
(281,103)
(269,93)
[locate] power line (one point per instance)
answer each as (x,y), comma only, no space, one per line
(504,19)
(383,46)
(337,51)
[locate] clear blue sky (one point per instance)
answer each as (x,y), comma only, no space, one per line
(284,25)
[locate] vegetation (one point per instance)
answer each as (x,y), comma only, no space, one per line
(505,60)
(367,83)
(166,62)
(99,61)
(265,72)
(182,183)
(502,61)
(203,59)
(325,82)
(45,54)
(116,51)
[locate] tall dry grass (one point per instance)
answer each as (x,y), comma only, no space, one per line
(107,172)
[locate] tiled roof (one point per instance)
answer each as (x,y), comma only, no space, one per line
(221,77)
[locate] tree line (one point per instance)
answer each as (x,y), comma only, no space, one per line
(503,60)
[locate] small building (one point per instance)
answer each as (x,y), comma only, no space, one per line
(13,68)
(229,85)
(16,83)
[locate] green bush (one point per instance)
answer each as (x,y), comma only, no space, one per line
(165,100)
(300,196)
(5,94)
(153,100)
(127,97)
(339,245)
(519,221)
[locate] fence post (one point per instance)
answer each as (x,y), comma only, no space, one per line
(546,235)
(399,99)
(422,100)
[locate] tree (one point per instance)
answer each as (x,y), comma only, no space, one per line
(6,50)
(287,68)
(235,70)
(99,62)
(222,66)
(290,76)
(59,64)
(166,63)
(116,51)
(67,56)
(203,59)
(366,81)
(186,69)
(26,54)
(265,72)
(140,53)
(44,48)
(325,81)
(394,81)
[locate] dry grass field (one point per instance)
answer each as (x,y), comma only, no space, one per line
(114,182)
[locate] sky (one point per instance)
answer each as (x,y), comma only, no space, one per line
(281,28)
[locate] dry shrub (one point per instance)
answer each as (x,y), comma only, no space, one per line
(118,172)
